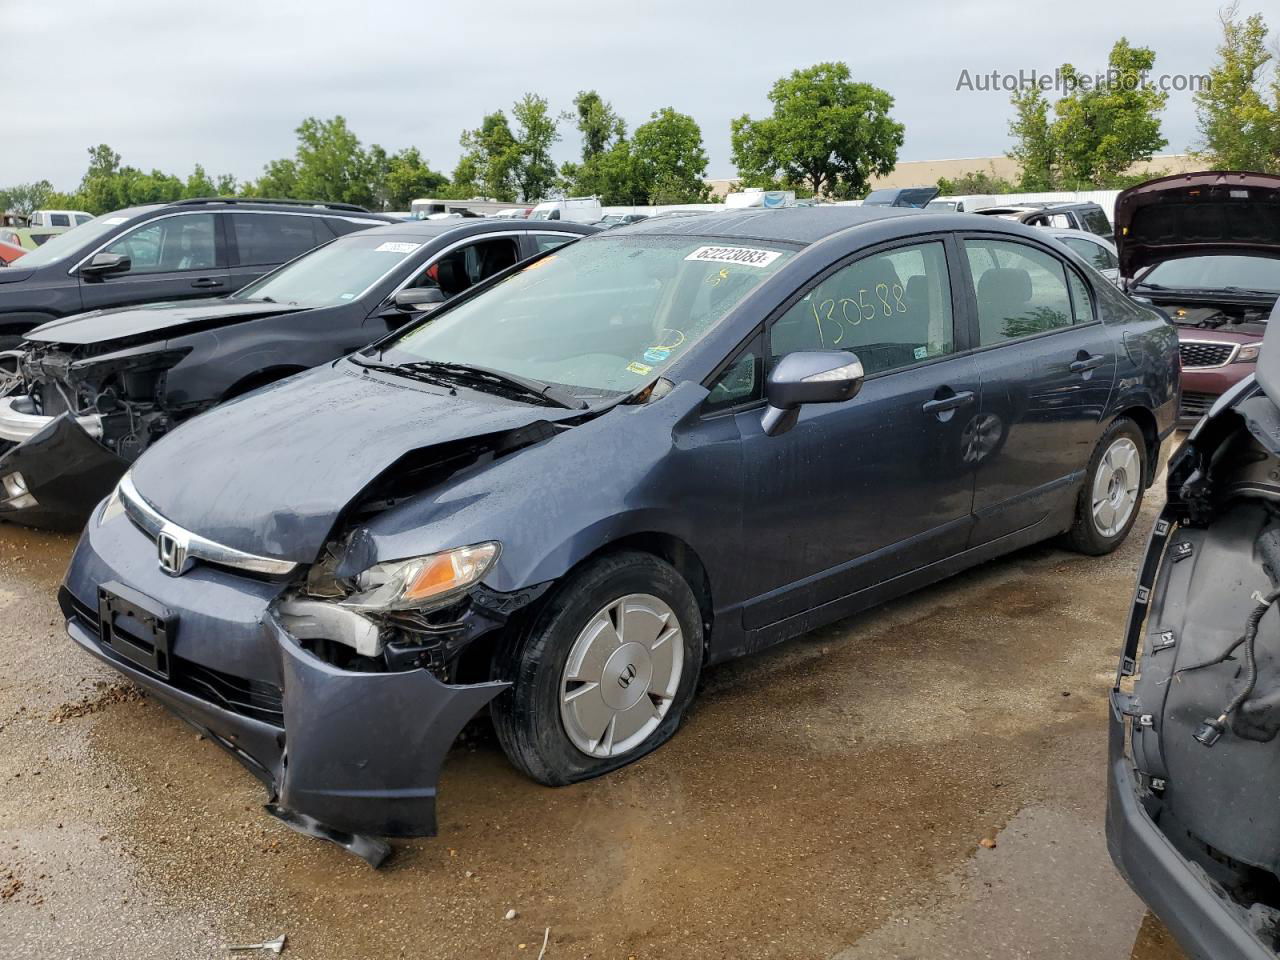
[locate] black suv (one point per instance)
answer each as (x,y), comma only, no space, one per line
(1073,216)
(166,251)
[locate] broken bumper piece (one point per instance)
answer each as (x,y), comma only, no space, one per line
(55,478)
(346,756)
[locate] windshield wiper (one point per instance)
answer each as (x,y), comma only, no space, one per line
(422,375)
(474,376)
(1250,291)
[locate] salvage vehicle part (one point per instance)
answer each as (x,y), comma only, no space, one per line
(1193,775)
(580,482)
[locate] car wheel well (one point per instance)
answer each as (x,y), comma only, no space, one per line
(681,556)
(259,378)
(1146,422)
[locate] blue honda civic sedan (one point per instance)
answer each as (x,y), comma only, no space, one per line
(577,484)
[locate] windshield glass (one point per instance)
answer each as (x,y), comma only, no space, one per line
(1217,273)
(335,273)
(74,241)
(601,317)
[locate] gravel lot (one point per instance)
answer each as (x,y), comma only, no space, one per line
(827,799)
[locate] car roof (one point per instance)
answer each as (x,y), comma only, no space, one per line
(798,225)
(424,230)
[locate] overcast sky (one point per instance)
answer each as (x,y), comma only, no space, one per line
(169,83)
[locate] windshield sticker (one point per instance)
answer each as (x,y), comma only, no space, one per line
(743,256)
(392,246)
(718,278)
(921,353)
(670,339)
(639,368)
(656,354)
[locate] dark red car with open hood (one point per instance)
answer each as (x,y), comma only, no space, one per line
(1205,248)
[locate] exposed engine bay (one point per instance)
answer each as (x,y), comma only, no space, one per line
(122,391)
(1203,696)
(1246,318)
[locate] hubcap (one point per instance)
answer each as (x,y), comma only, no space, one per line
(622,675)
(1115,486)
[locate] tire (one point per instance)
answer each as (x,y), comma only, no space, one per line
(1121,451)
(537,729)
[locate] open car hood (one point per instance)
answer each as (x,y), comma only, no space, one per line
(1197,214)
(270,473)
(159,319)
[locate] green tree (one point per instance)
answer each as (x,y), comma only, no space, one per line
(606,155)
(827,132)
(977,181)
(279,181)
(534,172)
(1098,130)
(199,184)
(101,186)
(331,164)
(1238,113)
(1033,147)
(409,177)
(490,155)
(667,159)
(22,198)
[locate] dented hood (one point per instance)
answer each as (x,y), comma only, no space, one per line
(160,319)
(269,473)
(1197,214)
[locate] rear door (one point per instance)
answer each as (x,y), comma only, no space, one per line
(1048,364)
(260,242)
(863,491)
(173,257)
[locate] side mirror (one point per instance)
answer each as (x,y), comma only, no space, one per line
(419,299)
(105,264)
(809,376)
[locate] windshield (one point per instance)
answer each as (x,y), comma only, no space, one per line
(336,273)
(600,317)
(74,241)
(1217,273)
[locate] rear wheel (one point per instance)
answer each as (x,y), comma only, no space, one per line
(605,672)
(1111,497)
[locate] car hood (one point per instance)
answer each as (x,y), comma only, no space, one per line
(1197,214)
(16,274)
(269,473)
(152,319)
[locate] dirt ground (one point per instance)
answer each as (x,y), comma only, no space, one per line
(826,799)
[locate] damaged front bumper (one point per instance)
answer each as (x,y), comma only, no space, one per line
(55,477)
(347,756)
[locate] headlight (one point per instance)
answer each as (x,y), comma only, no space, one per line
(113,506)
(422,582)
(1249,353)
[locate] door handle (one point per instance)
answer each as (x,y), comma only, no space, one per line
(206,282)
(1084,364)
(942,405)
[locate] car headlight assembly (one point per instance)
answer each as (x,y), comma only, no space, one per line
(422,583)
(1248,353)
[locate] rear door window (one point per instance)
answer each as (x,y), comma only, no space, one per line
(266,239)
(1095,221)
(1094,253)
(549,241)
(892,309)
(59,220)
(1021,291)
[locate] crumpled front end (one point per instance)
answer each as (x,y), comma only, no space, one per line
(349,743)
(1194,769)
(71,422)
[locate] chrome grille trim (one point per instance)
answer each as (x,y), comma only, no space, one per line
(147,519)
(1217,351)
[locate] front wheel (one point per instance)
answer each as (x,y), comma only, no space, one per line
(604,674)
(1111,497)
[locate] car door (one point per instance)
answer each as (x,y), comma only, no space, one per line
(260,242)
(1047,365)
(862,491)
(174,257)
